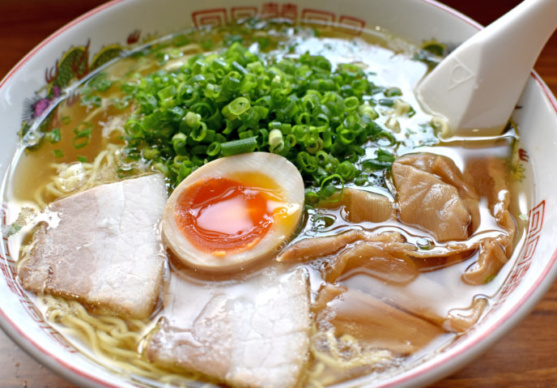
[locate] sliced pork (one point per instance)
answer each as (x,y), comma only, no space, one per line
(357,334)
(104,249)
(374,322)
(253,334)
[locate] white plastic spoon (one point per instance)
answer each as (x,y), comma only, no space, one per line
(477,86)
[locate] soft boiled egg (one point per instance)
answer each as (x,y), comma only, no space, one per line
(233,211)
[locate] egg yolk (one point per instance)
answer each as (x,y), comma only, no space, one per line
(221,215)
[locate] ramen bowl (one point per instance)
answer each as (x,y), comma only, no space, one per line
(121,25)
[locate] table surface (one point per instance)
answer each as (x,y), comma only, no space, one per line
(524,357)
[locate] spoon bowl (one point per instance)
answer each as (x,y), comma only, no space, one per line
(478,85)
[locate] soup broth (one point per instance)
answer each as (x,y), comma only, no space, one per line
(384,291)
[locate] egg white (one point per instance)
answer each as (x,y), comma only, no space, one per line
(279,169)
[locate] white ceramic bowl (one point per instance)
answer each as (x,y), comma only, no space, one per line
(122,22)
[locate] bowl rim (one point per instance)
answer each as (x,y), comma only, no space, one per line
(443,364)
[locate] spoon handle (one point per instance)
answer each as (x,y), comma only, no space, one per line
(477,86)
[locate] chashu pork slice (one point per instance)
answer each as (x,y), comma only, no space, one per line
(104,250)
(252,334)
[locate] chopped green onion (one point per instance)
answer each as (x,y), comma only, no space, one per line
(238,146)
(329,187)
(225,103)
(351,103)
(100,83)
(347,171)
(276,141)
(54,136)
(82,135)
(200,132)
(90,100)
(366,109)
(435,48)
(386,102)
(306,162)
(392,92)
(214,149)
(311,197)
(150,153)
(236,108)
(179,143)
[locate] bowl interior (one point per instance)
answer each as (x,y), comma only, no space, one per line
(120,24)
